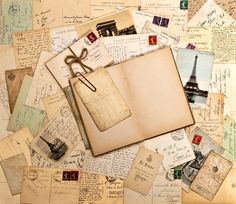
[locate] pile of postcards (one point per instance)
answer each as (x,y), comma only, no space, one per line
(112,102)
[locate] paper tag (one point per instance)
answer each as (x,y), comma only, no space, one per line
(143,171)
(106,106)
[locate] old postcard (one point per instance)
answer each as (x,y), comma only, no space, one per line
(202,145)
(13,171)
(105,104)
(15,16)
(25,116)
(195,68)
(211,175)
(62,38)
(4,119)
(194,6)
(108,189)
(229,6)
(210,14)
(47,14)
(174,146)
(143,171)
(114,164)
(43,83)
(14,79)
(210,118)
(92,53)
(126,47)
(50,186)
(28,45)
(171,13)
(58,138)
(4,99)
(166,189)
(118,23)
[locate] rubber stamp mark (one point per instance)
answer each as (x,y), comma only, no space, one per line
(14,8)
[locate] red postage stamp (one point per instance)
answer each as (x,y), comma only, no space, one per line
(152,39)
(92,37)
(197,139)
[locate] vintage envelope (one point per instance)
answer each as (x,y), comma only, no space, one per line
(195,69)
(118,23)
(50,186)
(143,171)
(58,138)
(48,14)
(174,146)
(15,16)
(202,144)
(105,105)
(126,47)
(211,175)
(43,83)
(108,189)
(13,170)
(166,189)
(25,116)
(210,118)
(211,14)
(97,56)
(28,46)
(14,79)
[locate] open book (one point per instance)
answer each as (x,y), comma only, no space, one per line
(152,88)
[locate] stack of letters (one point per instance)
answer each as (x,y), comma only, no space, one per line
(117,102)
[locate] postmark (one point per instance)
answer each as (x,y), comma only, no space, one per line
(32,175)
(152,39)
(11,76)
(65,111)
(197,139)
(177,135)
(14,9)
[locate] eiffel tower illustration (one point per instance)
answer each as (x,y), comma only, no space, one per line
(191,87)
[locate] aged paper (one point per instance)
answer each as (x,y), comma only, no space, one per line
(229,139)
(210,118)
(225,194)
(114,164)
(16,16)
(229,6)
(105,105)
(97,189)
(4,119)
(211,175)
(13,170)
(194,6)
(4,97)
(48,14)
(97,56)
(118,23)
(28,45)
(143,171)
(43,83)
(62,37)
(169,9)
(219,40)
(25,116)
(14,79)
(50,186)
(211,15)
(125,47)
(58,138)
(166,189)
(202,144)
(174,146)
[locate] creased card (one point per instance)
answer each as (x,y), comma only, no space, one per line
(211,175)
(58,138)
(97,56)
(13,170)
(14,79)
(50,186)
(106,106)
(143,171)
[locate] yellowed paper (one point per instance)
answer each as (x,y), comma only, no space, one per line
(28,45)
(229,6)
(4,119)
(211,176)
(4,97)
(143,171)
(58,138)
(48,14)
(108,189)
(106,106)
(97,56)
(194,6)
(13,170)
(50,186)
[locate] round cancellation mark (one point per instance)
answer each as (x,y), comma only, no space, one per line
(65,111)
(14,8)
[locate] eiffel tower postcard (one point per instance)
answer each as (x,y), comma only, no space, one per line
(195,68)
